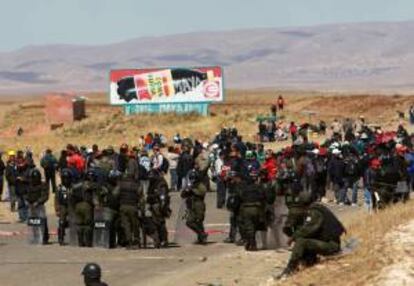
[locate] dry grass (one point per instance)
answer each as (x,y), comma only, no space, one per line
(107,125)
(372,254)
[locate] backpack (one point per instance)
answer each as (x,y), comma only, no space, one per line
(143,172)
(165,165)
(309,168)
(351,168)
(320,166)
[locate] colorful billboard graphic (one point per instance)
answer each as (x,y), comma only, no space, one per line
(167,85)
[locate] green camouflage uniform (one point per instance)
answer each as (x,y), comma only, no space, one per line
(320,234)
(196,209)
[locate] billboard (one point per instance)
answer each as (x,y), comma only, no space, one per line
(166,85)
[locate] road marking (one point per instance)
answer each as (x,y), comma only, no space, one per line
(217,224)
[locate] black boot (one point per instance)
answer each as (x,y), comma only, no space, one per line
(289,270)
(251,245)
(229,240)
(88,237)
(202,238)
(61,234)
(81,238)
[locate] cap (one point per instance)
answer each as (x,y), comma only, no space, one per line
(336,151)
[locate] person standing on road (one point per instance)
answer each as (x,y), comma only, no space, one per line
(196,207)
(130,197)
(36,196)
(11,177)
(172,157)
(336,169)
(49,164)
(22,176)
(82,199)
(219,178)
(157,158)
(62,203)
(252,210)
(184,165)
(158,202)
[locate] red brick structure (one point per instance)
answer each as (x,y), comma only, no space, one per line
(64,108)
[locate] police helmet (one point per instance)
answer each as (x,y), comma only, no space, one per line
(193,176)
(92,271)
(66,177)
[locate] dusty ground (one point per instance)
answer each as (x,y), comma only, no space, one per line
(399,244)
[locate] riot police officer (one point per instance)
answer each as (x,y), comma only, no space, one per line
(106,204)
(36,196)
(235,182)
(82,200)
(252,210)
(320,234)
(92,275)
(194,195)
(158,201)
(130,196)
(62,203)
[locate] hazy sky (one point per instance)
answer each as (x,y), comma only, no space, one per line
(34,22)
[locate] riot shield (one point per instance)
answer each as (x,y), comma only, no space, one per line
(182,234)
(73,230)
(275,237)
(36,223)
(103,228)
(402,191)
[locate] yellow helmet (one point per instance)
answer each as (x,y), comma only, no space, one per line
(11,153)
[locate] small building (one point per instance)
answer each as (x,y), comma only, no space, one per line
(61,108)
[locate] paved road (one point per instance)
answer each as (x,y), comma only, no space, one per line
(23,264)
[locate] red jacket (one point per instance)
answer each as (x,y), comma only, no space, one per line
(293,129)
(76,161)
(271,166)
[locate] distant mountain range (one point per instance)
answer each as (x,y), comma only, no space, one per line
(359,57)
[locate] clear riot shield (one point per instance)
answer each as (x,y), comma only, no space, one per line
(73,230)
(182,234)
(274,238)
(102,228)
(402,191)
(36,224)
